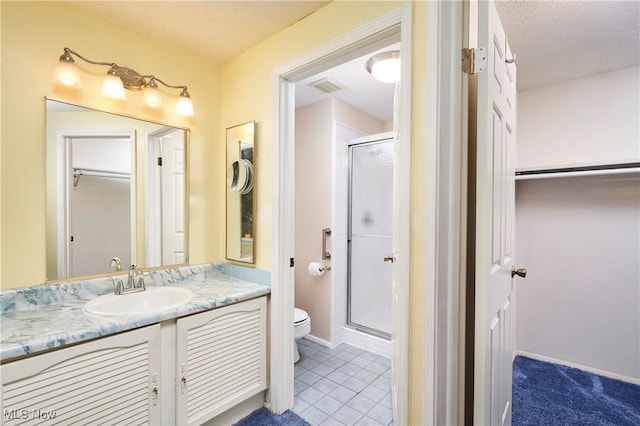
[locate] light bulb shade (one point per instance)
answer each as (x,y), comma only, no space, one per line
(385,67)
(184,106)
(152,97)
(67,74)
(112,87)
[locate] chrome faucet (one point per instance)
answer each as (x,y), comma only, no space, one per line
(135,281)
(117,263)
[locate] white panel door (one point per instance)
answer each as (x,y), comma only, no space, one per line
(495,186)
(173,241)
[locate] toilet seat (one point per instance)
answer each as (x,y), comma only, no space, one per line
(301,323)
(299,316)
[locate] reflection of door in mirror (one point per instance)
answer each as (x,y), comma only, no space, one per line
(99,204)
(123,203)
(165,198)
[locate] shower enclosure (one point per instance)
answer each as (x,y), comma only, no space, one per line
(369,237)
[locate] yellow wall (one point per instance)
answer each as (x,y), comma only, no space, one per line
(247,87)
(247,95)
(33,37)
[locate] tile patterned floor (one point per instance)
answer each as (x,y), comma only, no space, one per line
(342,386)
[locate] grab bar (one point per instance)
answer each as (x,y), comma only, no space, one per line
(325,233)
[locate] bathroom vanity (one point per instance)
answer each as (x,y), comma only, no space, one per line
(185,366)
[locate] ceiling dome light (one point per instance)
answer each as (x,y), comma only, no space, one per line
(66,72)
(112,86)
(151,95)
(184,106)
(385,66)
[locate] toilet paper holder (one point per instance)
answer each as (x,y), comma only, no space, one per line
(325,233)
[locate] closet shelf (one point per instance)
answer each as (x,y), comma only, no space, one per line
(593,170)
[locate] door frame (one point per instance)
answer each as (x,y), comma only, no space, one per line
(443,336)
(446,216)
(348,46)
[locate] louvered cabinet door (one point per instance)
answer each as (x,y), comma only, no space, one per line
(110,381)
(221,359)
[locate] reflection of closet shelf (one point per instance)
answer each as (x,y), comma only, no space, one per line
(593,170)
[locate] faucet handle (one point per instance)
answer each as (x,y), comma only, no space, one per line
(119,287)
(140,281)
(117,263)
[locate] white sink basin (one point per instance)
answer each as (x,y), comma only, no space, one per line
(154,299)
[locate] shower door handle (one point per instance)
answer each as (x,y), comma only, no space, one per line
(390,258)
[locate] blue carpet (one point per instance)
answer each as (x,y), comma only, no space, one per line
(264,417)
(551,394)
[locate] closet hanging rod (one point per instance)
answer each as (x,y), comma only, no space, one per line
(110,172)
(595,170)
(78,171)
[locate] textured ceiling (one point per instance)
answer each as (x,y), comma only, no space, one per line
(561,40)
(214,29)
(554,41)
(361,91)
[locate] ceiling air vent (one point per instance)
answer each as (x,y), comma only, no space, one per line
(327,85)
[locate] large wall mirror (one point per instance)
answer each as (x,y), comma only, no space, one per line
(116,187)
(241,185)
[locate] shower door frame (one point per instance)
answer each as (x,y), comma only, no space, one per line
(358,142)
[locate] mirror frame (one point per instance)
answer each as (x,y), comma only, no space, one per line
(229,147)
(138,214)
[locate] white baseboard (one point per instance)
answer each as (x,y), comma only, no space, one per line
(609,374)
(318,340)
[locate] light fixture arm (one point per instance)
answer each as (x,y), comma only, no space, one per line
(131,79)
(153,77)
(69,52)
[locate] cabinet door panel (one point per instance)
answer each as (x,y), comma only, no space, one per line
(107,381)
(221,359)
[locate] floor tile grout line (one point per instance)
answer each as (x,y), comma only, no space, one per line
(370,393)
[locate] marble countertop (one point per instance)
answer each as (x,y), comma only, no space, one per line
(39,318)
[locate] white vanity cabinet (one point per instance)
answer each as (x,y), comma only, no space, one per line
(221,358)
(113,380)
(181,371)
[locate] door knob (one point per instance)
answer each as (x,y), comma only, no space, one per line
(521,272)
(389,258)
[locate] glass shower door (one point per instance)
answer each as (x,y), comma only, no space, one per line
(370,237)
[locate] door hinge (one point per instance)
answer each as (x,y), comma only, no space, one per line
(159,161)
(291,262)
(474,60)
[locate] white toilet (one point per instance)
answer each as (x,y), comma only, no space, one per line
(301,327)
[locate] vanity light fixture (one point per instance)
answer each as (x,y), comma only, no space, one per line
(385,66)
(119,78)
(151,95)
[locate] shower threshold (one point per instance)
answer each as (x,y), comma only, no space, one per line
(370,331)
